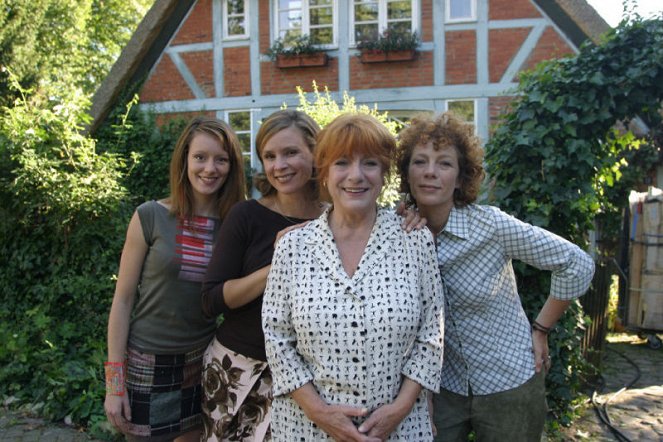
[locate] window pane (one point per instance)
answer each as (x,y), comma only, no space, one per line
(321,36)
(400,27)
(245,142)
(240,121)
(319,2)
(366,12)
(397,10)
(290,4)
(236,26)
(366,32)
(460,9)
(321,16)
(463,110)
(235,6)
(290,20)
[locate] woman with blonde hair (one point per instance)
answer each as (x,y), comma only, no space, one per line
(156,331)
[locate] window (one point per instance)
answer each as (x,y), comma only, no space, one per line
(240,122)
(315,18)
(235,15)
(373,18)
(463,109)
(461,10)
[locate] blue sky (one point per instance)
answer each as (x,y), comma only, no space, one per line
(611,10)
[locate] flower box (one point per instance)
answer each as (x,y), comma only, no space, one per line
(377,56)
(288,61)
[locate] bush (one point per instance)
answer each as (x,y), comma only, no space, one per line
(61,223)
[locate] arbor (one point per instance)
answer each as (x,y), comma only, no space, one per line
(557,161)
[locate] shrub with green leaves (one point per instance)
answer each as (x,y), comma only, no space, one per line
(557,162)
(61,225)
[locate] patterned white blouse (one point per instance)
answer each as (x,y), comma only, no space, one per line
(353,338)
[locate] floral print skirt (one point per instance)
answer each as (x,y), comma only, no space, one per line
(237,396)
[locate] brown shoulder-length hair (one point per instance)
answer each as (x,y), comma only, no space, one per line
(274,124)
(351,134)
(444,131)
(232,190)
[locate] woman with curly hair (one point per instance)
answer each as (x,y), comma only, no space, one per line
(494,359)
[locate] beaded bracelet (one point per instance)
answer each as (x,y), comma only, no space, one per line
(541,328)
(114,378)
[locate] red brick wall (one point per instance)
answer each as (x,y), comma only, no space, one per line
(550,46)
(236,71)
(283,81)
(461,64)
(503,44)
(264,31)
(201,65)
(511,9)
(165,83)
(418,72)
(426,32)
(197,28)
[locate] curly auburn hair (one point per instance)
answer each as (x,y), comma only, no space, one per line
(444,131)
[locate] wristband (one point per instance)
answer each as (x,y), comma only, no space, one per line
(114,378)
(540,328)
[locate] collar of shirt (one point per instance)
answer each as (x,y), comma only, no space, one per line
(458,223)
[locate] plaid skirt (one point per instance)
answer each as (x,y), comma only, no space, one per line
(165,393)
(237,396)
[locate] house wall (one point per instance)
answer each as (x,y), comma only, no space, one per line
(479,61)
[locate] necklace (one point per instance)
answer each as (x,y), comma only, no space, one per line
(277,206)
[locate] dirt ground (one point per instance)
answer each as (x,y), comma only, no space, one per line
(636,412)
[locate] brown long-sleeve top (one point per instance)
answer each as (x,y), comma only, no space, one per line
(245,243)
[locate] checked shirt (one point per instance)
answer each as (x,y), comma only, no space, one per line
(488,342)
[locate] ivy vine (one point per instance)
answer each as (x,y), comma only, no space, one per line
(557,160)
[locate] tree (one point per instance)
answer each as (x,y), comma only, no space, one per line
(62,40)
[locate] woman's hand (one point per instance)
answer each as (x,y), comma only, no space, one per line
(384,420)
(411,218)
(431,413)
(540,350)
(118,411)
(335,421)
(288,229)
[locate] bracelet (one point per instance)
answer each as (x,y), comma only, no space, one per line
(540,328)
(114,378)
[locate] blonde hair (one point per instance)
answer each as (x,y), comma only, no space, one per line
(274,124)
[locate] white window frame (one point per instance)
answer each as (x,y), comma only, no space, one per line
(254,161)
(226,26)
(449,19)
(306,25)
(382,18)
(474,110)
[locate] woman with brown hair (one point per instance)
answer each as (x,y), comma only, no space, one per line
(156,331)
(494,360)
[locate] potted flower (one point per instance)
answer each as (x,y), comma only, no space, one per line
(389,46)
(293,51)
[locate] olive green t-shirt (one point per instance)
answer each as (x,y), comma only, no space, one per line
(167,317)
